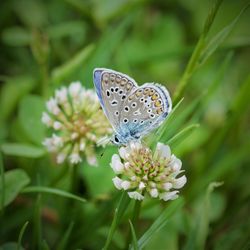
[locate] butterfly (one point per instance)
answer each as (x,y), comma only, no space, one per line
(132,110)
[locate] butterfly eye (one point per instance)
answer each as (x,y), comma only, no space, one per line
(116,139)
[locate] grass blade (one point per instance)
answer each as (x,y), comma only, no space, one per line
(160,222)
(134,239)
(22,150)
(219,38)
(182,134)
(197,236)
(37,225)
(165,125)
(20,237)
(63,243)
(63,71)
(193,61)
(119,211)
(48,190)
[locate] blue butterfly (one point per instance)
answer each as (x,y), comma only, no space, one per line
(133,111)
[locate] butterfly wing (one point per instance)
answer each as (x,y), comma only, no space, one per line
(144,109)
(112,88)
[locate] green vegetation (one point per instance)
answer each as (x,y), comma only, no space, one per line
(200,50)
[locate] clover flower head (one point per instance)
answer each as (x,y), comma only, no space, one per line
(141,171)
(77,123)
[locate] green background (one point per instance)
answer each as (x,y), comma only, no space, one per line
(48,44)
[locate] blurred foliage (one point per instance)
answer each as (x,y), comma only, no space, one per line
(47,44)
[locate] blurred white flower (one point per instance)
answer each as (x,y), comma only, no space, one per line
(142,171)
(77,123)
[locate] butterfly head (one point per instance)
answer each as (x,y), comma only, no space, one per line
(118,140)
(121,140)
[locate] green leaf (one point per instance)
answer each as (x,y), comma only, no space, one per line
(20,237)
(11,92)
(68,28)
(14,182)
(134,239)
(16,36)
(23,150)
(48,190)
(104,172)
(69,68)
(160,222)
(218,39)
(30,114)
(38,17)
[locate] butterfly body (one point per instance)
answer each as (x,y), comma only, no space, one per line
(133,111)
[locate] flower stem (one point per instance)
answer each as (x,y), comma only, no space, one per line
(74,179)
(119,211)
(134,220)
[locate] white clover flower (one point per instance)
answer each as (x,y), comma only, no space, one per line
(77,123)
(141,171)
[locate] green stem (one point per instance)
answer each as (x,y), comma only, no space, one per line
(2,185)
(119,211)
(44,79)
(37,231)
(194,60)
(135,217)
(136,213)
(62,173)
(74,179)
(189,69)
